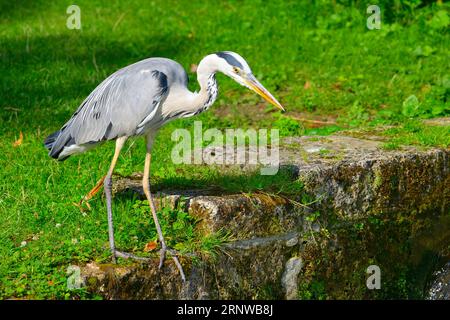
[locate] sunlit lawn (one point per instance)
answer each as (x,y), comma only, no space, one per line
(320,60)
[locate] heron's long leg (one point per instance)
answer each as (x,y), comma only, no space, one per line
(107,186)
(146,187)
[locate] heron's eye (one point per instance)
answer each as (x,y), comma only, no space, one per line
(236,69)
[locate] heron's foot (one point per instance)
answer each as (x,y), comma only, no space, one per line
(174,256)
(126,255)
(164,250)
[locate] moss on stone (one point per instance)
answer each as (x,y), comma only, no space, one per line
(403,246)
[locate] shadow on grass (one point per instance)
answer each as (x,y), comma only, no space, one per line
(285,182)
(14,9)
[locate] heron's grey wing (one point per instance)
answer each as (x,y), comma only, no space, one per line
(119,106)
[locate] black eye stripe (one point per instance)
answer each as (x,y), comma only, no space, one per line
(230,59)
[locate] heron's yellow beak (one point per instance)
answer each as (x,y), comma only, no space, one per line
(254,84)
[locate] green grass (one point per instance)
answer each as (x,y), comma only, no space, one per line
(179,228)
(358,77)
(416,133)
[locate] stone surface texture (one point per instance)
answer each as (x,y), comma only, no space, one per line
(374,205)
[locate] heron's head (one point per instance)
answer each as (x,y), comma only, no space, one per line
(234,66)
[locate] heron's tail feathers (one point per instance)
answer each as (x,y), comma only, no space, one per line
(50,140)
(55,143)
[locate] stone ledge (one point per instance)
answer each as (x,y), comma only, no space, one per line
(352,179)
(355,178)
(242,270)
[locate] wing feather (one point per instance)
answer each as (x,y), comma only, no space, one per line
(117,107)
(124,104)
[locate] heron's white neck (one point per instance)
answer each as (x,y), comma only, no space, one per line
(206,77)
(183,103)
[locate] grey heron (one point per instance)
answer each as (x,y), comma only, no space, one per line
(137,100)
